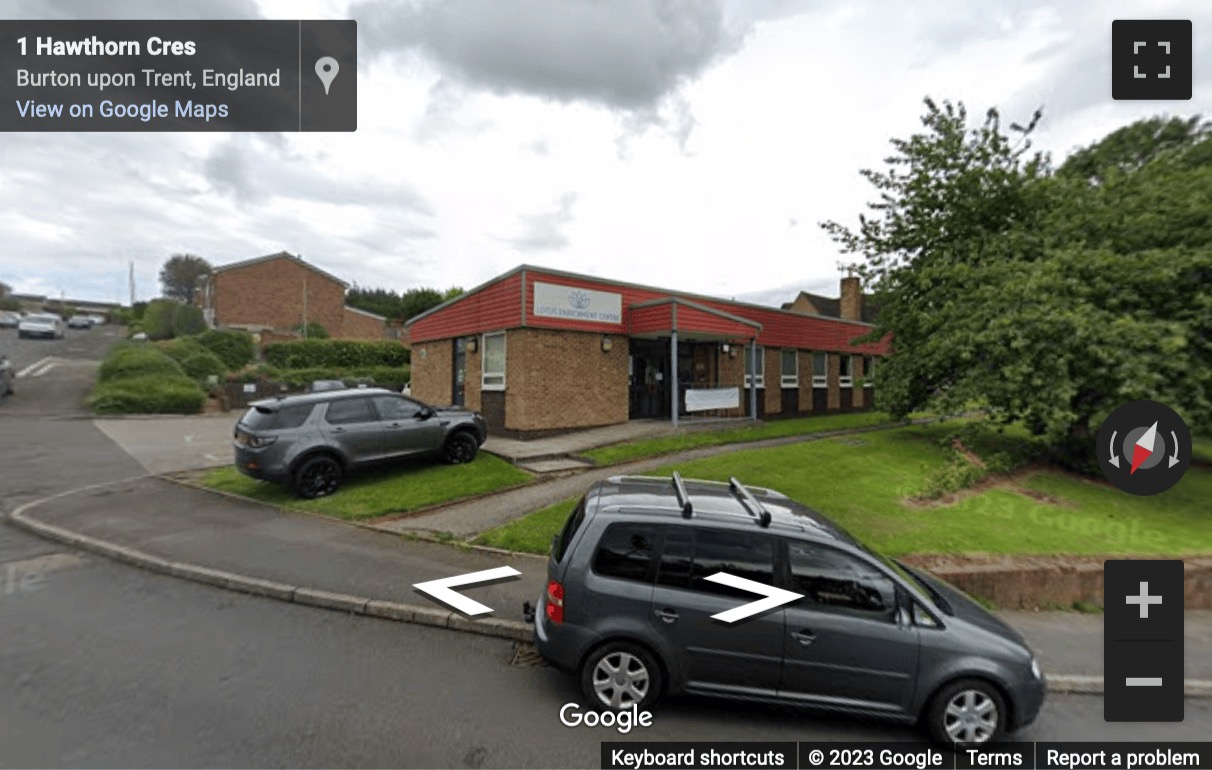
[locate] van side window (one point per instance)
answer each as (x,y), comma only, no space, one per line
(836,581)
(570,528)
(625,551)
(688,556)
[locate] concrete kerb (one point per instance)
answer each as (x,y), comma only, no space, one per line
(511,630)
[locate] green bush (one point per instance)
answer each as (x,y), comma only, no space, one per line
(956,474)
(158,319)
(235,348)
(312,331)
(340,354)
(135,360)
(148,394)
(197,361)
(187,320)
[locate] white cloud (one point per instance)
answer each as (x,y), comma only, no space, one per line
(673,143)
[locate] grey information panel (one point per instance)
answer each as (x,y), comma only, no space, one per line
(1143,640)
(178,75)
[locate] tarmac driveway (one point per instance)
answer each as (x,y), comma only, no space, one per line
(168,444)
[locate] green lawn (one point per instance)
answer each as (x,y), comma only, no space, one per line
(795,426)
(531,533)
(862,483)
(1201,448)
(397,490)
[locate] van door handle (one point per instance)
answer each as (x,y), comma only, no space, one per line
(804,637)
(667,615)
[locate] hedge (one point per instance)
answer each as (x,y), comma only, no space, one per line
(336,354)
(135,359)
(187,320)
(148,394)
(158,318)
(235,348)
(298,378)
(197,361)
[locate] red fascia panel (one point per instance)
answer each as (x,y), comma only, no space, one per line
(691,319)
(646,320)
(494,307)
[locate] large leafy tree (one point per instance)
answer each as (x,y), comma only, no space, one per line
(1046,297)
(396,306)
(181,276)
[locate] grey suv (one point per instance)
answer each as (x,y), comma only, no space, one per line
(311,441)
(628,609)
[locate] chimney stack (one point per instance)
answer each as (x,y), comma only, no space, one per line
(852,298)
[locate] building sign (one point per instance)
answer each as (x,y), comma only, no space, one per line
(553,301)
(699,399)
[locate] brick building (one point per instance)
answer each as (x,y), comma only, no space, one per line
(542,351)
(276,294)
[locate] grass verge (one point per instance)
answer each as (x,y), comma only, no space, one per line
(866,484)
(403,488)
(795,426)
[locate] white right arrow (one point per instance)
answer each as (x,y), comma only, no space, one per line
(775,597)
(441,589)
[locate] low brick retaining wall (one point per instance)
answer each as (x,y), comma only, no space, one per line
(1031,583)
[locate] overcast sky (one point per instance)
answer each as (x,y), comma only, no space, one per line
(689,144)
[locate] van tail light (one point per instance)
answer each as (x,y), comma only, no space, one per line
(555,602)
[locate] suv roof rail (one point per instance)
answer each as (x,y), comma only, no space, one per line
(679,488)
(755,508)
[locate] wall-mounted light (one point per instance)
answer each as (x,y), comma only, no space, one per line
(424,353)
(471,345)
(732,352)
(607,344)
(725,347)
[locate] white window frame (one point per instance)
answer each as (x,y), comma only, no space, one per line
(845,380)
(820,380)
(485,375)
(868,371)
(792,380)
(761,365)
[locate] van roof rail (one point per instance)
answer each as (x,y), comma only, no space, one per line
(755,508)
(679,489)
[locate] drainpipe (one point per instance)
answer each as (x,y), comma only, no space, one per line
(673,369)
(753,378)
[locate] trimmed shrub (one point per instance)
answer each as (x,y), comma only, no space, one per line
(187,320)
(235,348)
(342,354)
(148,394)
(158,319)
(312,331)
(135,360)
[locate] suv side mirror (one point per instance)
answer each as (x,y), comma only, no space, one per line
(425,413)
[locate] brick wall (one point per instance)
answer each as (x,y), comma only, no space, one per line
(858,389)
(562,379)
(732,374)
(805,381)
(359,326)
(432,372)
(833,371)
(472,388)
(771,376)
(271,294)
(851,304)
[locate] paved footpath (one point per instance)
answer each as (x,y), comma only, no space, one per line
(242,545)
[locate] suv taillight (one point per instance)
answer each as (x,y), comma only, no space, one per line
(555,602)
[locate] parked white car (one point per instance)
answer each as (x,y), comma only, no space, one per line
(41,325)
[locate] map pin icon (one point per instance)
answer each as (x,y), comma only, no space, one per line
(326,68)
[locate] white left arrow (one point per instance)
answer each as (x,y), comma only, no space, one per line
(775,597)
(441,589)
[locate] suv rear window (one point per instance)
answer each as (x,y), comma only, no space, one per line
(264,418)
(625,551)
(570,528)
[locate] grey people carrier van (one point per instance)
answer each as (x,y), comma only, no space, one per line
(628,610)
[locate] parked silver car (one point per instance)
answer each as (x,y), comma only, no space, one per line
(311,441)
(41,325)
(9,319)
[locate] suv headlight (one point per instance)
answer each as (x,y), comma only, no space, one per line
(1035,672)
(256,442)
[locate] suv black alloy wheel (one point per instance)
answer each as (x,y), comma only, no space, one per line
(318,477)
(460,448)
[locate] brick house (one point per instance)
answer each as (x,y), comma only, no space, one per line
(543,351)
(276,294)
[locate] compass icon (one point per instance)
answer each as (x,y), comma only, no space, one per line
(1144,447)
